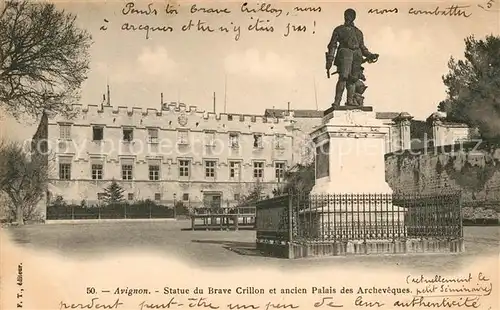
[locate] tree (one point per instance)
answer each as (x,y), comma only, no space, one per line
(23,178)
(43,58)
(473,87)
(254,195)
(299,179)
(113,193)
(180,208)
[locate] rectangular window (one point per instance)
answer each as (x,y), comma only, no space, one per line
(64,171)
(97,133)
(182,137)
(279,169)
(257,141)
(234,140)
(153,135)
(130,196)
(157,196)
(279,142)
(101,196)
(97,171)
(65,132)
(210,138)
(258,169)
(154,172)
(128,134)
(127,172)
(184,168)
(236,197)
(185,196)
(210,168)
(234,170)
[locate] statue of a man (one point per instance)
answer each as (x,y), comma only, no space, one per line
(347,40)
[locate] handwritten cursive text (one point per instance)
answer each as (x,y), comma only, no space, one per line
(93,304)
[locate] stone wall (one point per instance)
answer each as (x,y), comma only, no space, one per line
(472,169)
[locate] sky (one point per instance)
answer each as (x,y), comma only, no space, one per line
(264,69)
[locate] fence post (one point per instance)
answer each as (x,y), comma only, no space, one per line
(125,210)
(460,215)
(290,225)
(72,212)
(460,218)
(175,207)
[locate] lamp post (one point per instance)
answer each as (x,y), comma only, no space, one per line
(175,205)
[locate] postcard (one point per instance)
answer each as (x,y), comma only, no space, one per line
(249,155)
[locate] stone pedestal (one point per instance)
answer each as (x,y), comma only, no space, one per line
(351,199)
(350,150)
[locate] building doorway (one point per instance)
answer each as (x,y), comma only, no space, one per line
(212,200)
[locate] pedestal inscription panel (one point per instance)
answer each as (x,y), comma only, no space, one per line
(323,160)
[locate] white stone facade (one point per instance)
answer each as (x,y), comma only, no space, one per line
(177,153)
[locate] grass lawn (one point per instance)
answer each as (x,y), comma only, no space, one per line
(222,248)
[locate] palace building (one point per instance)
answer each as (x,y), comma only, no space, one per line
(181,153)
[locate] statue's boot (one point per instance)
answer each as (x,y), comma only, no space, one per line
(339,90)
(336,102)
(350,95)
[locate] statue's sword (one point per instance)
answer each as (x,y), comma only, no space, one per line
(327,70)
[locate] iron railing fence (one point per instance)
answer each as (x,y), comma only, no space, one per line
(432,215)
(143,209)
(114,211)
(347,217)
(360,217)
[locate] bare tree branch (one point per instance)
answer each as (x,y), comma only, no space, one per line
(43,59)
(23,178)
